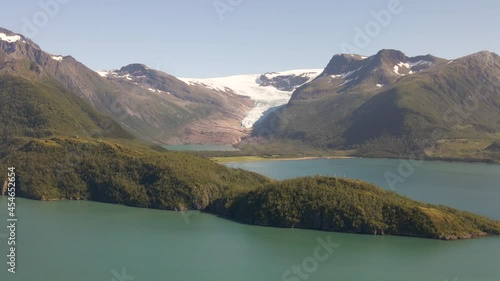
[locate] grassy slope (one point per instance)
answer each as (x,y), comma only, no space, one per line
(395,120)
(35,109)
(431,112)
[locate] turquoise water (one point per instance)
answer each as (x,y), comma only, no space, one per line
(77,241)
(471,187)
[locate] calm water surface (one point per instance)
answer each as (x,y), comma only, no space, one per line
(85,241)
(472,187)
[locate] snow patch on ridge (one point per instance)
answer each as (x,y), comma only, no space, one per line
(420,62)
(347,81)
(309,73)
(103,73)
(157,91)
(264,97)
(399,66)
(410,66)
(57,58)
(9,39)
(107,73)
(345,75)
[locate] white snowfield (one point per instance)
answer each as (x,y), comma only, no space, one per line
(345,75)
(401,65)
(57,58)
(103,73)
(106,73)
(409,65)
(10,39)
(264,97)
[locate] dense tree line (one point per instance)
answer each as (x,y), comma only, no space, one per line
(134,175)
(349,206)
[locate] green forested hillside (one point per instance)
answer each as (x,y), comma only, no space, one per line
(30,109)
(134,175)
(350,206)
(42,109)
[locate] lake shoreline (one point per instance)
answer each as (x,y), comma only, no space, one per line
(470,236)
(250,159)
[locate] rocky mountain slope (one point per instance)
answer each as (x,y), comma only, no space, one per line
(152,105)
(171,111)
(386,105)
(390,104)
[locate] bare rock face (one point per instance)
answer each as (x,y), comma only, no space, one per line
(284,82)
(178,112)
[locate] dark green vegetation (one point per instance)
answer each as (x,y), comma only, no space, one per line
(37,110)
(34,109)
(63,149)
(448,111)
(133,175)
(275,150)
(55,169)
(350,206)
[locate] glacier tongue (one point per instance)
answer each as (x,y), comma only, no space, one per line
(264,97)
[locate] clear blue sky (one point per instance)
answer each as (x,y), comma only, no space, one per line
(188,38)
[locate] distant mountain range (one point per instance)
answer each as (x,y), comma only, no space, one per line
(154,105)
(387,104)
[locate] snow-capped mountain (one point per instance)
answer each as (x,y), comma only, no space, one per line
(235,118)
(353,97)
(178,112)
(151,104)
(386,67)
(389,104)
(268,91)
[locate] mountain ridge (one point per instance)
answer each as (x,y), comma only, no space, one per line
(351,97)
(157,117)
(360,114)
